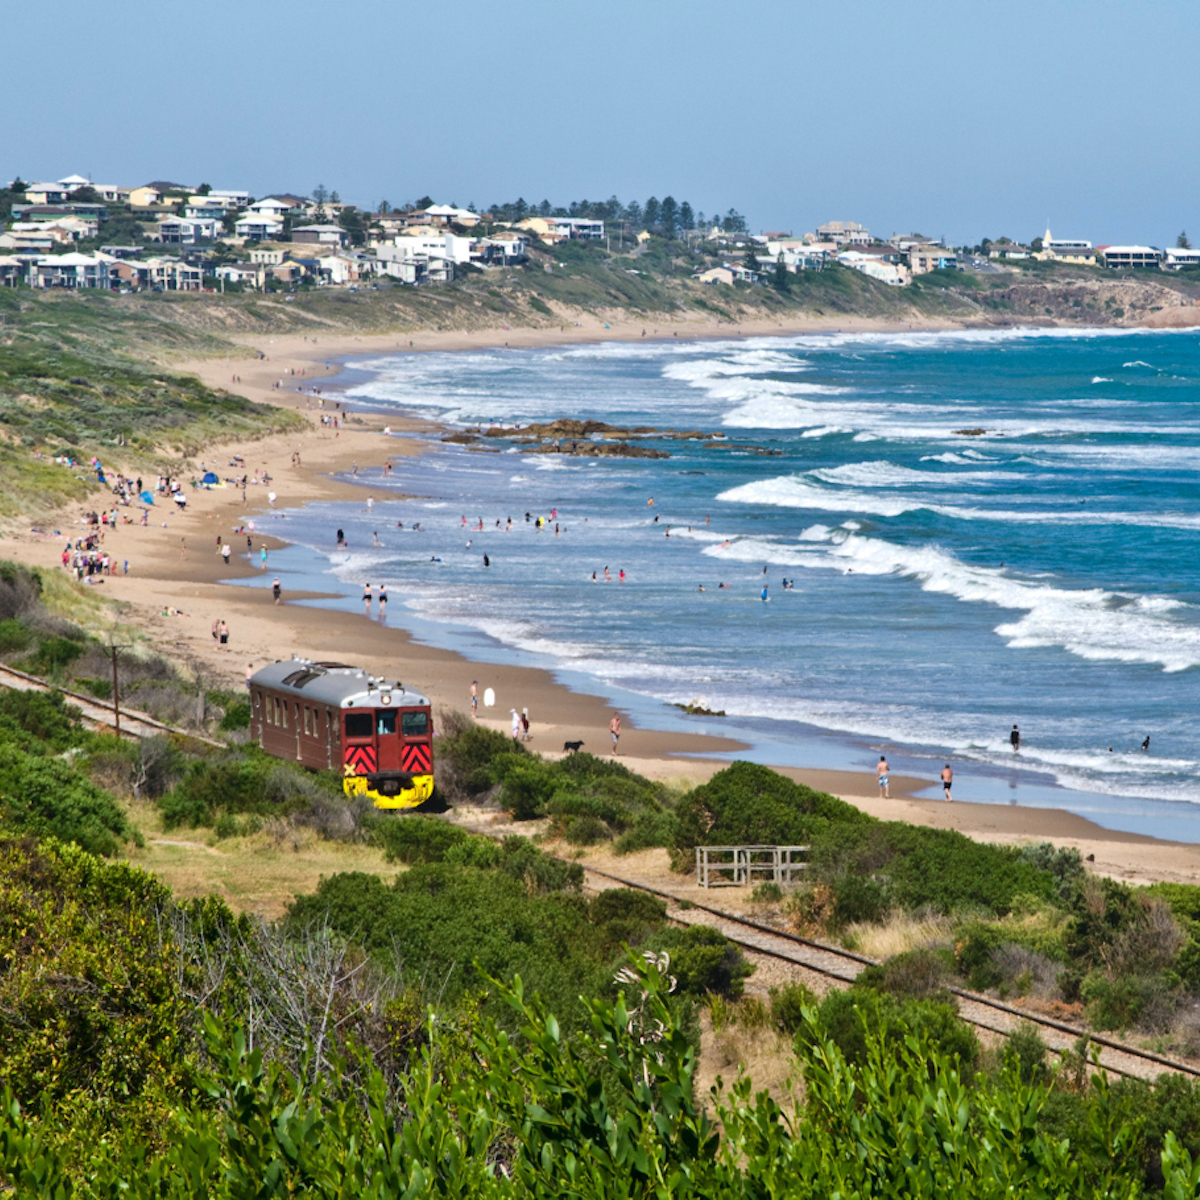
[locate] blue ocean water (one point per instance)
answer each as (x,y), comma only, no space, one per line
(946,584)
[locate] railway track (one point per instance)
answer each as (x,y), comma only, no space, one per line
(842,966)
(100,713)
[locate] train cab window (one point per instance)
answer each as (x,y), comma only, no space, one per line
(277,720)
(284,708)
(385,720)
(359,724)
(415,724)
(307,720)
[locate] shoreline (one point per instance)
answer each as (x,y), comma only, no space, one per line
(163,576)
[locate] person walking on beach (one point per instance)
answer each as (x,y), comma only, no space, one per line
(382,601)
(525,734)
(226,551)
(474,697)
(276,590)
(516,725)
(262,559)
(367,599)
(882,773)
(614,729)
(947,780)
(223,632)
(1014,740)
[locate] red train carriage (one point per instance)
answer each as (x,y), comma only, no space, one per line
(329,715)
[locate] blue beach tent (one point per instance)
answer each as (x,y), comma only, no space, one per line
(147,497)
(211,479)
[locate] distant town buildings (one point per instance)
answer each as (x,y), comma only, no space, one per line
(174,237)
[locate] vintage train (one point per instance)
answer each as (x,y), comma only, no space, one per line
(328,715)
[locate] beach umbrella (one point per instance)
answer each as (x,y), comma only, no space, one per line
(210,477)
(147,497)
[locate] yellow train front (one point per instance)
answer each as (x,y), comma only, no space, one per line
(331,716)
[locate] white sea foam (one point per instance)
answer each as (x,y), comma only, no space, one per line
(1101,379)
(1090,623)
(882,473)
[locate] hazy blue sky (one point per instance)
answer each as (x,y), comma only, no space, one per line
(967,118)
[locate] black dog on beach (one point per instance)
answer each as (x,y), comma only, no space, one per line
(572,747)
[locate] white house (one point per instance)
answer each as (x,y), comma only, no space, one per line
(446,214)
(170,275)
(1177,257)
(445,245)
(251,273)
(69,271)
(271,206)
(319,235)
(1129,256)
(874,267)
(258,228)
(185,231)
(505,247)
(844,233)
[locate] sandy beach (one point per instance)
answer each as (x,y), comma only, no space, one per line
(173,593)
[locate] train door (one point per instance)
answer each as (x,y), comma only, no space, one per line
(359,756)
(416,754)
(386,740)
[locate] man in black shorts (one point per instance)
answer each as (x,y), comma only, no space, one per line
(1014,739)
(947,780)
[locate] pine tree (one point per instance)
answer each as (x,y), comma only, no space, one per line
(687,220)
(668,216)
(750,261)
(1182,243)
(782,282)
(650,215)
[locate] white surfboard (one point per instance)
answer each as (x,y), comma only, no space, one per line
(489,698)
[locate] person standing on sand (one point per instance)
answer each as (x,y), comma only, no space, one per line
(516,725)
(882,775)
(226,551)
(223,631)
(382,601)
(525,734)
(474,697)
(614,729)
(276,590)
(947,780)
(367,599)
(1014,740)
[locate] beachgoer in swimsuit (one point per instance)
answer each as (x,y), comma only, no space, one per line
(367,598)
(882,772)
(474,697)
(614,729)
(947,780)
(1014,739)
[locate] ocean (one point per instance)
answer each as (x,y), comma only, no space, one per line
(978,528)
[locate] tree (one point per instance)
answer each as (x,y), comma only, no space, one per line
(633,213)
(204,189)
(1182,243)
(782,281)
(1036,245)
(544,208)
(384,208)
(334,198)
(319,194)
(687,219)
(734,222)
(750,261)
(651,213)
(424,202)
(668,216)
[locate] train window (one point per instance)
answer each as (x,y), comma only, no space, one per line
(385,720)
(284,706)
(276,720)
(307,720)
(415,724)
(359,725)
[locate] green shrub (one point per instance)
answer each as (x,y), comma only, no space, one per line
(1128,1001)
(463,761)
(15,635)
(237,716)
(767,893)
(53,654)
(527,788)
(587,830)
(858,898)
(49,797)
(747,804)
(850,1018)
(419,839)
(788,1002)
(40,721)
(649,829)
(1026,1052)
(704,961)
(915,975)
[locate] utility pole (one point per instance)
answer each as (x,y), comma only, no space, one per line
(116,692)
